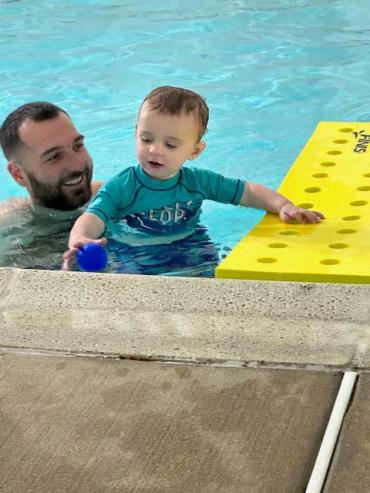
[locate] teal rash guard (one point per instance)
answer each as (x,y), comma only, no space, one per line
(134,204)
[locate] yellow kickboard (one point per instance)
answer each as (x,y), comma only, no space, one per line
(331,175)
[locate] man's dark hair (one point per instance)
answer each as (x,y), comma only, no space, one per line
(175,100)
(37,111)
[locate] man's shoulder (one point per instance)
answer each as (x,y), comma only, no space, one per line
(95,186)
(14,205)
(14,213)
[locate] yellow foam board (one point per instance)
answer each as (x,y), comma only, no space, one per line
(331,175)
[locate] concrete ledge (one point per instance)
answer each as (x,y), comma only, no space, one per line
(186,318)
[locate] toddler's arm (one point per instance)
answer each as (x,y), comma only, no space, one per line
(87,229)
(261,197)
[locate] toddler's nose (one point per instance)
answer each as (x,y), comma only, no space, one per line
(156,148)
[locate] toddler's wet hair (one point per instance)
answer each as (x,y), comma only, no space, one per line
(175,100)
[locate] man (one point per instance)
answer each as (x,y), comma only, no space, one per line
(46,155)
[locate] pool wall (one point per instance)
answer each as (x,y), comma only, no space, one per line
(232,322)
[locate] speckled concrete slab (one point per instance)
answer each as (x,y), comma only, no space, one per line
(90,425)
(244,322)
(350,470)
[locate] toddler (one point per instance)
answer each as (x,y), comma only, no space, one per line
(159,200)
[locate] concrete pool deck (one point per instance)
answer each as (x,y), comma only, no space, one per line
(130,383)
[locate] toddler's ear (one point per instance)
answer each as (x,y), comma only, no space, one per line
(198,149)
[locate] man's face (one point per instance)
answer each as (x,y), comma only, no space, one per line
(55,166)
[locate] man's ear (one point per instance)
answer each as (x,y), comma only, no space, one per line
(198,149)
(17,173)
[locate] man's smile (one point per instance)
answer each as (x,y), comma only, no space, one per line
(76,180)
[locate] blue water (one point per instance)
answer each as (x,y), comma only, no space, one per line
(269,74)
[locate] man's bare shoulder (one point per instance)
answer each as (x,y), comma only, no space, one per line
(95,185)
(14,205)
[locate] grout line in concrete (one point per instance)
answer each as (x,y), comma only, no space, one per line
(251,364)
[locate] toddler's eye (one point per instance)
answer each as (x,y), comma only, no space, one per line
(170,146)
(146,140)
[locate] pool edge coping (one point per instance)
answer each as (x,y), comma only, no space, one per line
(186,319)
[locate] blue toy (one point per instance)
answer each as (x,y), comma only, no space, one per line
(92,257)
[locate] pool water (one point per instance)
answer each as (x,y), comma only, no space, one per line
(269,74)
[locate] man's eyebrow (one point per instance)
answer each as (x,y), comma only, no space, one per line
(46,153)
(78,138)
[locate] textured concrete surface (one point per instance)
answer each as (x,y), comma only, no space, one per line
(183,318)
(71,424)
(84,423)
(350,470)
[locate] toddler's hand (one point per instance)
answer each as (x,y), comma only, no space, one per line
(290,212)
(74,246)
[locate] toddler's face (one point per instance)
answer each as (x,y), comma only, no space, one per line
(164,142)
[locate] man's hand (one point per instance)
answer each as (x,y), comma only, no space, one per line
(290,213)
(70,254)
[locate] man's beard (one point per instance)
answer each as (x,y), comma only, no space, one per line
(57,197)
